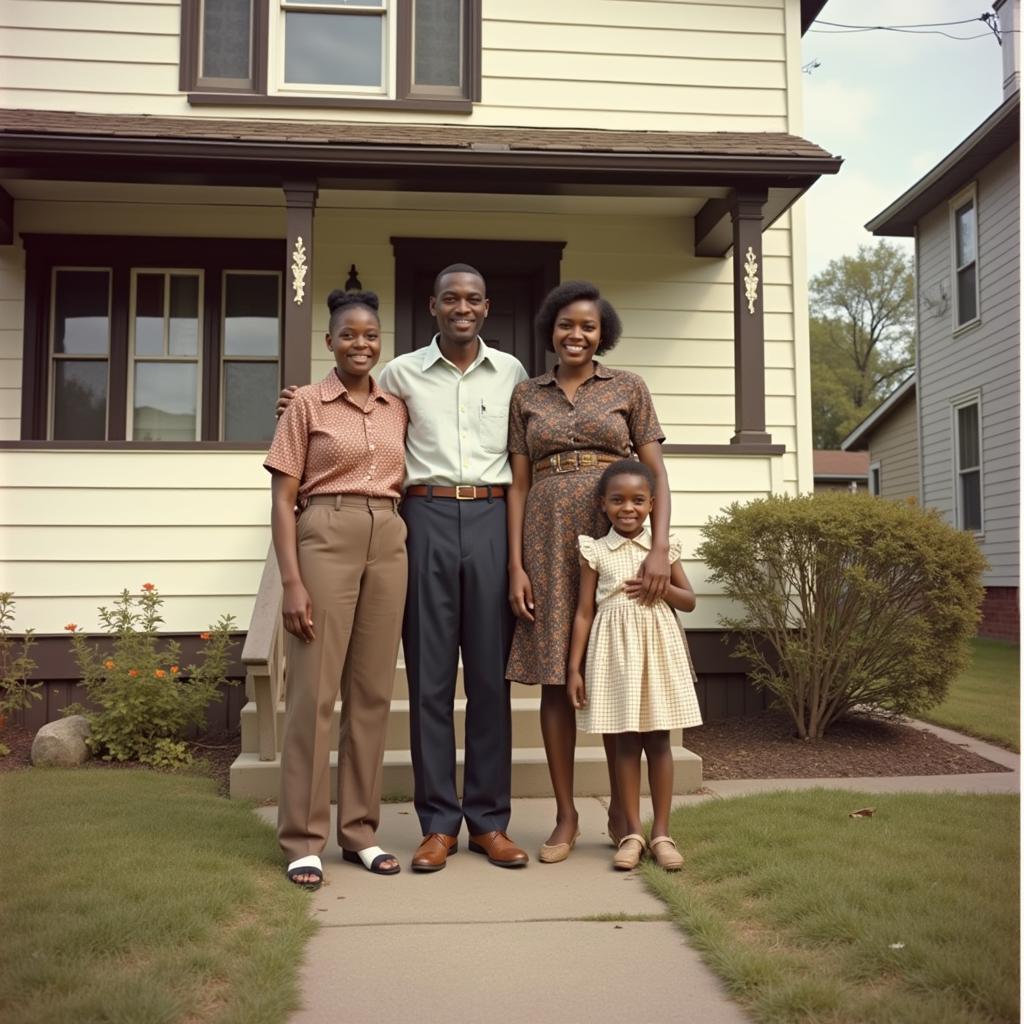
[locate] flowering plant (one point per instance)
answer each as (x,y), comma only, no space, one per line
(16,692)
(146,700)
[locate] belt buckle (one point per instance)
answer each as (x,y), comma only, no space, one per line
(569,467)
(459,488)
(586,459)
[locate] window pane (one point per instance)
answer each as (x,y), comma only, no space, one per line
(250,392)
(969,449)
(164,402)
(965,236)
(79,400)
(438,43)
(966,294)
(970,500)
(251,324)
(81,322)
(227,25)
(184,328)
(149,314)
(333,49)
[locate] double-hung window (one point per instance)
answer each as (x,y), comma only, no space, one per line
(171,340)
(967,458)
(964,210)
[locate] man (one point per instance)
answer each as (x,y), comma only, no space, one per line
(457,391)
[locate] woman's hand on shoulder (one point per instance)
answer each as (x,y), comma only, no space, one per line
(520,594)
(283,399)
(297,612)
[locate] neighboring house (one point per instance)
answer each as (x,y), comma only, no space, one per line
(185,182)
(964,215)
(840,471)
(887,442)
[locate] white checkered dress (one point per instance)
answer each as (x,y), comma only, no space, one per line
(639,675)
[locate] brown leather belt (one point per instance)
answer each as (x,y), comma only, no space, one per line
(573,461)
(461,492)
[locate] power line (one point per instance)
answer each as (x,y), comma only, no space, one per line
(923,28)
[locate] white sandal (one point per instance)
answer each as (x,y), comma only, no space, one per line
(631,849)
(665,853)
(310,865)
(372,858)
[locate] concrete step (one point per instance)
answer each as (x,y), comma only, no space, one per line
(525,724)
(254,779)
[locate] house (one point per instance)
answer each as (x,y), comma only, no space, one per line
(964,216)
(887,441)
(839,471)
(183,184)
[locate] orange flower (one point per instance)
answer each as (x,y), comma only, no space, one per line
(174,670)
(132,672)
(109,663)
(159,673)
(149,586)
(204,636)
(71,627)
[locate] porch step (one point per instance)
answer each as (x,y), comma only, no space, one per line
(525,724)
(254,779)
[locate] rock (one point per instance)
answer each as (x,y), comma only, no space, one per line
(61,744)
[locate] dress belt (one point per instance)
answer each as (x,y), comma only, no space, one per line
(461,492)
(572,461)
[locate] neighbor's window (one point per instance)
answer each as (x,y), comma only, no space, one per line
(965,260)
(875,479)
(967,447)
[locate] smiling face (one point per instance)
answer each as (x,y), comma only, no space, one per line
(627,503)
(355,341)
(460,307)
(577,332)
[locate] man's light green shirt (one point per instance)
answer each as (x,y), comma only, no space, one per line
(458,422)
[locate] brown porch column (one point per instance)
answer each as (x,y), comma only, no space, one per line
(748,317)
(300,199)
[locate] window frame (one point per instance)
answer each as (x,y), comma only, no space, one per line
(956,405)
(122,255)
(875,479)
(966,196)
(399,92)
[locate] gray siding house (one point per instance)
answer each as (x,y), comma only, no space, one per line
(964,215)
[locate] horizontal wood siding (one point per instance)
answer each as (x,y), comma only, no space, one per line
(894,446)
(703,65)
(12,314)
(983,358)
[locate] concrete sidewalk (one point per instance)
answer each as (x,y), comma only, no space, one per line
(532,945)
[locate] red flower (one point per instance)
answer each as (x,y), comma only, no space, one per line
(204,636)
(71,627)
(132,672)
(149,586)
(159,673)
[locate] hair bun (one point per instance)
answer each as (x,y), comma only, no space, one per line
(339,299)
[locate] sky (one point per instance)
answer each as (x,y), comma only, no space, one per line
(892,105)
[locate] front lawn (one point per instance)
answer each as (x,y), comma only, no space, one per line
(985,700)
(910,916)
(143,898)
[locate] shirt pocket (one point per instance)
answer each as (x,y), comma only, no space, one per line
(493,427)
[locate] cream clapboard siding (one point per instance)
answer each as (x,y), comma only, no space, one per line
(984,358)
(894,446)
(12,312)
(700,65)
(79,526)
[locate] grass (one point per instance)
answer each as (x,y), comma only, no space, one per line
(813,917)
(985,700)
(132,897)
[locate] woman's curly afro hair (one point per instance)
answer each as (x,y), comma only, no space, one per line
(340,300)
(565,295)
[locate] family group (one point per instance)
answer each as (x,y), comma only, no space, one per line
(454,504)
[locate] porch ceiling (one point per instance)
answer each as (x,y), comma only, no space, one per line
(416,157)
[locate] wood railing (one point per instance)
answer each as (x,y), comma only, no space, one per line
(263,657)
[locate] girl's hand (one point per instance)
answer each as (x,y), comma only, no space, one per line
(655,574)
(577,689)
(520,594)
(297,612)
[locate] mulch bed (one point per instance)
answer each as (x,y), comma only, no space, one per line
(761,746)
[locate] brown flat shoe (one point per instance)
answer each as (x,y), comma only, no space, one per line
(555,853)
(631,849)
(433,852)
(665,854)
(499,849)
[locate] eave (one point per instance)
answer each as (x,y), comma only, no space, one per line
(858,437)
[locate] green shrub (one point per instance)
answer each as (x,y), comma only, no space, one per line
(16,692)
(146,700)
(851,601)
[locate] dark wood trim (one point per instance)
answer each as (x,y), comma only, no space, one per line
(712,229)
(189,71)
(241,99)
(35,349)
(41,445)
(474,49)
(747,214)
(117,378)
(723,449)
(188,59)
(300,201)
(212,353)
(260,45)
(403,50)
(6,217)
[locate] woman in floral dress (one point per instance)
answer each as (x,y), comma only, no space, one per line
(565,427)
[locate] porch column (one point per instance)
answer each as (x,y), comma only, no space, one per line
(746,210)
(300,202)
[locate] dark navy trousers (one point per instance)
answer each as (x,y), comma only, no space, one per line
(458,599)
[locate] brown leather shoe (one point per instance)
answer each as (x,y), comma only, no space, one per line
(433,852)
(499,849)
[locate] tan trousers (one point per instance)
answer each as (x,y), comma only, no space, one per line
(352,560)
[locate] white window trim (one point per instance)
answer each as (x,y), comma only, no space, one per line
(877,465)
(956,404)
(276,84)
(129,411)
(969,194)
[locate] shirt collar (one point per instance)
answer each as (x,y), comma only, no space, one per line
(331,389)
(600,371)
(615,540)
(432,354)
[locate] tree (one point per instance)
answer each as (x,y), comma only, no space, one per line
(862,332)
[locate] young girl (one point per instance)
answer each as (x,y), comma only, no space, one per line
(638,682)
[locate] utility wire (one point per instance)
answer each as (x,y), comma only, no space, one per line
(924,28)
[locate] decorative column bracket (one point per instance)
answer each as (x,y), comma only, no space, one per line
(300,204)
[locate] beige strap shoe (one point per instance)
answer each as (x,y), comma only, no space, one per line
(631,849)
(665,853)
